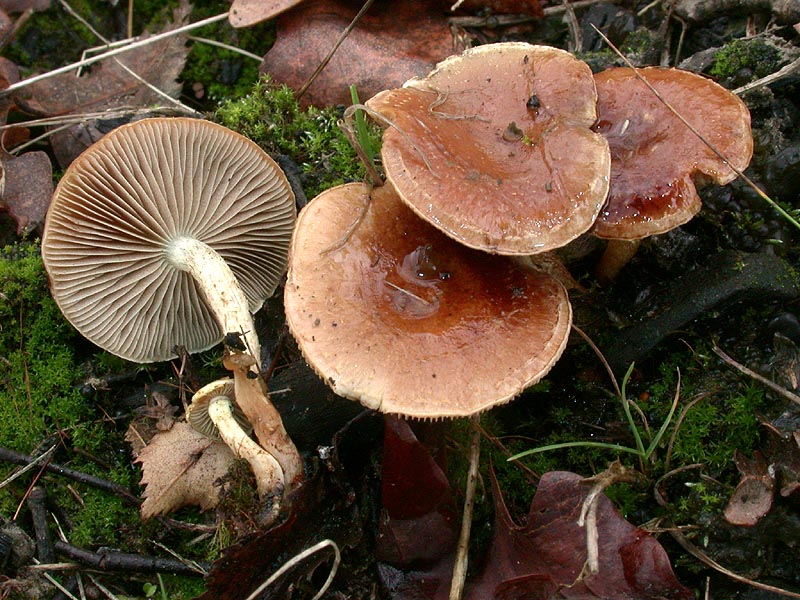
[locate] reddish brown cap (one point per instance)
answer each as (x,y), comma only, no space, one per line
(494,147)
(391,312)
(655,158)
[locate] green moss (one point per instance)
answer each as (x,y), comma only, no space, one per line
(38,392)
(224,74)
(754,55)
(271,116)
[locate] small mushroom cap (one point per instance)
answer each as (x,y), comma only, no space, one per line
(393,313)
(494,147)
(123,200)
(655,158)
(197,411)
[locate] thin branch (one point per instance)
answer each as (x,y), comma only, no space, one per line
(750,373)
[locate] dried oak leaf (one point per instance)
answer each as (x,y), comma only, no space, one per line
(107,85)
(181,467)
(391,43)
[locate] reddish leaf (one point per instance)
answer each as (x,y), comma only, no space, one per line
(552,547)
(28,188)
(543,559)
(392,42)
(416,498)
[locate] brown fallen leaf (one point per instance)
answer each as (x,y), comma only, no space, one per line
(180,467)
(107,85)
(752,498)
(27,189)
(246,13)
(391,43)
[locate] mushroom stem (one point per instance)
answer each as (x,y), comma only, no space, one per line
(617,254)
(267,470)
(219,286)
(252,398)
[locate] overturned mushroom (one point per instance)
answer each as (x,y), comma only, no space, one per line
(165,232)
(214,412)
(393,313)
(494,147)
(656,160)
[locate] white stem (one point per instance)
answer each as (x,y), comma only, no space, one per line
(462,550)
(219,286)
(268,473)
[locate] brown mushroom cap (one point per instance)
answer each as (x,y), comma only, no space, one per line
(197,411)
(122,202)
(655,158)
(397,315)
(494,147)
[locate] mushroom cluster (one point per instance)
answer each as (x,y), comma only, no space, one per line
(419,297)
(170,232)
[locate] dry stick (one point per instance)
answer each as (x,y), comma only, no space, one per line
(110,560)
(699,135)
(18,458)
(333,50)
(767,382)
(93,59)
(784,71)
(460,566)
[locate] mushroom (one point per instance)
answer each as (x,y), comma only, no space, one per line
(164,232)
(214,413)
(495,148)
(393,313)
(656,159)
(170,231)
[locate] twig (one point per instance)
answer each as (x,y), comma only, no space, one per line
(93,59)
(110,560)
(36,504)
(785,71)
(749,372)
(460,566)
(18,458)
(209,42)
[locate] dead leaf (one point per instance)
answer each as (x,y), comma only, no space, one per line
(551,548)
(27,189)
(246,13)
(544,559)
(392,42)
(752,498)
(180,467)
(415,497)
(107,85)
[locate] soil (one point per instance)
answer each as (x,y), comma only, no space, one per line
(726,279)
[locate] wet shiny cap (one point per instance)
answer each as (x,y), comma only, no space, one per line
(391,312)
(121,203)
(494,147)
(655,158)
